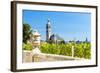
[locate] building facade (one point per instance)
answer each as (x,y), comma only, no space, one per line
(52,38)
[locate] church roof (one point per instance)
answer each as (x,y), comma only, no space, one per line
(55,37)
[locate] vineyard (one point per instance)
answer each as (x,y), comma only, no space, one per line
(81,50)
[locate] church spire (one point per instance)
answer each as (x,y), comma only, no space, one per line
(86,39)
(48,23)
(48,19)
(48,30)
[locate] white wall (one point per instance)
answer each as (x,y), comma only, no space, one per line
(5,38)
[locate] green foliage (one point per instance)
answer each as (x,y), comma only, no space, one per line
(26,32)
(27,46)
(87,51)
(60,49)
(81,50)
(78,51)
(65,49)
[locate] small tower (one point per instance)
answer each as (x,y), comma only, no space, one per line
(48,30)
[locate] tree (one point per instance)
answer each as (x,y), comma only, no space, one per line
(26,32)
(62,42)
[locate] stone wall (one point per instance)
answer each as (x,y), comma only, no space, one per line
(42,57)
(49,57)
(27,56)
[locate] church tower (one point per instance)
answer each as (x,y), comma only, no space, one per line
(48,30)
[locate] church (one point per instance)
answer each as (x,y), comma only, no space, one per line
(52,38)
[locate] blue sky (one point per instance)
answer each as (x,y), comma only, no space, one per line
(68,25)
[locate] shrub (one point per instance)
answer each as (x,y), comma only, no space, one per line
(27,46)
